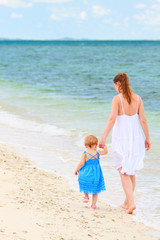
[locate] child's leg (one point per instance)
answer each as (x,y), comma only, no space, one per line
(86,198)
(86,195)
(94,199)
(128,189)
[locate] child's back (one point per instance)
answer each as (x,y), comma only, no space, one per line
(90,175)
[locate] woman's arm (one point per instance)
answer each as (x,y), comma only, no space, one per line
(144,125)
(110,122)
(80,165)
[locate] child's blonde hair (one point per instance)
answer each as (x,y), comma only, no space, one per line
(90,141)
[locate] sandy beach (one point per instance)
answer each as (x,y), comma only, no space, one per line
(36,205)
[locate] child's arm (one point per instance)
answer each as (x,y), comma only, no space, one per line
(80,165)
(104,151)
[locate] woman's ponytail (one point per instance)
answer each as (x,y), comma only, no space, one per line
(124,87)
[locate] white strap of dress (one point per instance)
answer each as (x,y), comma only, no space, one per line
(137,103)
(121,103)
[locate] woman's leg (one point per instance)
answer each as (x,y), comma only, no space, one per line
(133,180)
(128,189)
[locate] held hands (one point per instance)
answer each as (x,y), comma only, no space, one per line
(147,144)
(102,143)
(76,172)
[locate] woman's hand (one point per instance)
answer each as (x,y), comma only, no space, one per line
(147,144)
(102,143)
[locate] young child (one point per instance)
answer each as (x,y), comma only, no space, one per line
(89,171)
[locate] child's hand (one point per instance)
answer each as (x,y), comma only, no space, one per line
(76,173)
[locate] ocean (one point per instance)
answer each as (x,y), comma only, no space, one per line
(54,93)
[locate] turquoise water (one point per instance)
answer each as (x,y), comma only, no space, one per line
(54,93)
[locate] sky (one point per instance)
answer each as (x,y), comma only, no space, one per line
(85,19)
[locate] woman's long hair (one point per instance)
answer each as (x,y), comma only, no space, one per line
(124,87)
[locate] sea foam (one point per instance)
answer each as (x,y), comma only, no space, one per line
(15,121)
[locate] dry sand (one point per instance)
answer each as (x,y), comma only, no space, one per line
(36,205)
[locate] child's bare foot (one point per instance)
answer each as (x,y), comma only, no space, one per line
(93,206)
(131,209)
(85,199)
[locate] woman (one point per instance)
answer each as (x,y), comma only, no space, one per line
(128,144)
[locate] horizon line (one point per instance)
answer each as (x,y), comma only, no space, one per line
(74,39)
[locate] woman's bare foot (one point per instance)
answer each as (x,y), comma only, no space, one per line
(131,209)
(125,205)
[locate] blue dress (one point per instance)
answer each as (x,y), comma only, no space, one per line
(90,176)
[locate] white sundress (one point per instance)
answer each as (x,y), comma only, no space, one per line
(128,143)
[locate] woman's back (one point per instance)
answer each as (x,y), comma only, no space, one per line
(128,109)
